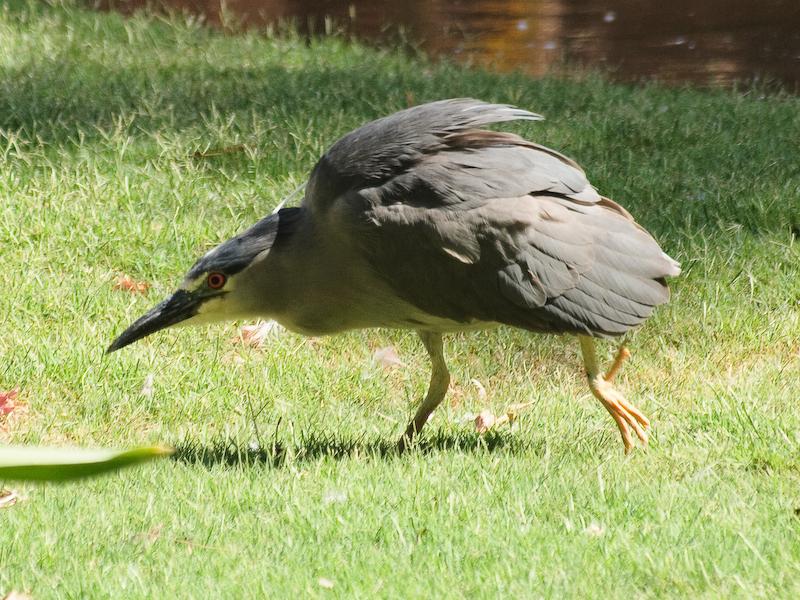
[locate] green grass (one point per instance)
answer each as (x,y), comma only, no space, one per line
(99,120)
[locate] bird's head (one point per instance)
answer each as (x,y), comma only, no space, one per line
(226,283)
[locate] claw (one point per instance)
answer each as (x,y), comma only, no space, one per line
(625,414)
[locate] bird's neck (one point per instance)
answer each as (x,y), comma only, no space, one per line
(314,277)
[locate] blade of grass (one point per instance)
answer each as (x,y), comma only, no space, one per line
(61,464)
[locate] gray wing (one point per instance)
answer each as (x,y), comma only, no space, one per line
(387,147)
(471,225)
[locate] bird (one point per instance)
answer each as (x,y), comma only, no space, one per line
(427,220)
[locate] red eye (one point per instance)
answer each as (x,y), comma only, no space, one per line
(215,280)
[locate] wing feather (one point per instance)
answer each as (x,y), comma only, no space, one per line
(387,147)
(472,226)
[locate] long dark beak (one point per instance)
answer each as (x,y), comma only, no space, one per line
(180,306)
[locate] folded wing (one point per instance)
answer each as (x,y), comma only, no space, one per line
(470,225)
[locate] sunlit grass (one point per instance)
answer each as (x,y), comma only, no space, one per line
(284,472)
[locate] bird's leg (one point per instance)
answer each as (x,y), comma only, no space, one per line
(624,413)
(622,355)
(440,380)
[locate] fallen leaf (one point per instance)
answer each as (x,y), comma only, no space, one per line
(8,401)
(147,388)
(325,583)
(257,334)
(594,529)
(334,497)
(479,386)
(233,357)
(410,100)
(8,498)
(456,395)
(485,421)
(313,342)
(128,284)
(154,533)
(15,595)
(12,411)
(188,543)
(466,418)
(387,358)
(513,410)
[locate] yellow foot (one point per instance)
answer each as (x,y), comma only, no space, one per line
(625,414)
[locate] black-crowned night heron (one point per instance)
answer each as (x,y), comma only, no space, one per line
(423,220)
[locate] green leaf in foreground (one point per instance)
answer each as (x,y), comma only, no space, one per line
(60,464)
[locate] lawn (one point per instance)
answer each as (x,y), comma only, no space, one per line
(284,483)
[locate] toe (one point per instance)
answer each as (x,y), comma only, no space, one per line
(622,425)
(637,414)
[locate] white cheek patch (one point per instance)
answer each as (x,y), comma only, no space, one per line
(209,311)
(212,305)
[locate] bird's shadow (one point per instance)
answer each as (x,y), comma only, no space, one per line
(314,446)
